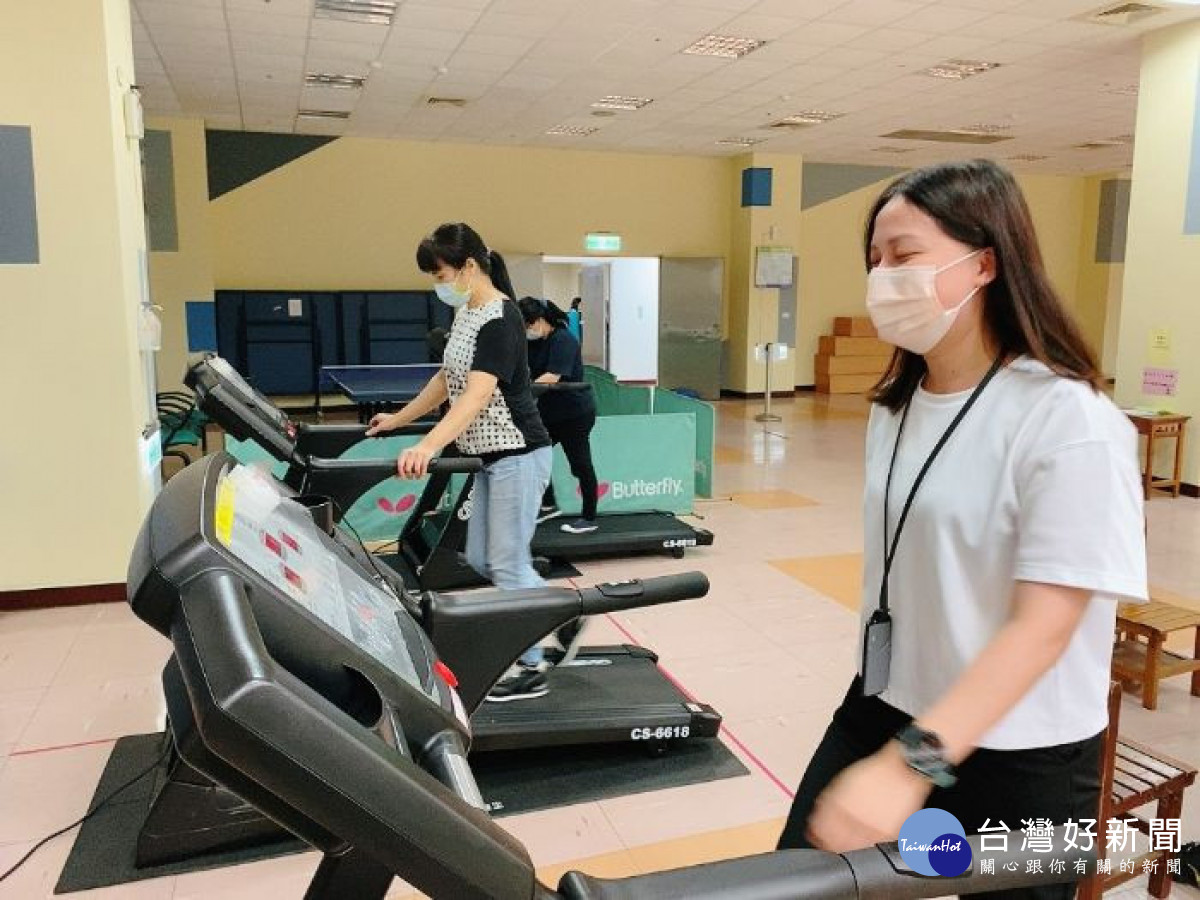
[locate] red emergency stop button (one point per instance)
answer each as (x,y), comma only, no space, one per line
(447,676)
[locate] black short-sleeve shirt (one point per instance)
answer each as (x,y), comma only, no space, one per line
(559,354)
(491,338)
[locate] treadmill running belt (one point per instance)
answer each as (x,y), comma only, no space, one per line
(620,534)
(103,852)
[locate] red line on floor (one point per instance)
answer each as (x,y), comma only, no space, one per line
(64,747)
(758,763)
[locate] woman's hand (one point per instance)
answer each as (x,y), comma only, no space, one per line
(414,462)
(867,803)
(379,422)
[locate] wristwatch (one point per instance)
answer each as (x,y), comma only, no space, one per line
(925,754)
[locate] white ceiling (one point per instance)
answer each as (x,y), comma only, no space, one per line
(525,66)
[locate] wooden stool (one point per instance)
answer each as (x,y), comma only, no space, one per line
(1148,662)
(1132,775)
(1161,426)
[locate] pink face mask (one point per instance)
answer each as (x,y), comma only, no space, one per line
(903,304)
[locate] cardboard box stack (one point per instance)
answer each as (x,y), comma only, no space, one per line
(850,360)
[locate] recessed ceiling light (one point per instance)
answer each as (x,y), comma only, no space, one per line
(723,45)
(446,101)
(326,79)
(572,130)
(739,142)
(806,118)
(945,137)
(365,12)
(613,101)
(982,128)
(1120,140)
(322,114)
(958,69)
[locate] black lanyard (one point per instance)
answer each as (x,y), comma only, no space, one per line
(890,553)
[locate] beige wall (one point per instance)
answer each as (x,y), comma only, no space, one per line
(74,487)
(752,313)
(350,214)
(185,274)
(1162,264)
(833,280)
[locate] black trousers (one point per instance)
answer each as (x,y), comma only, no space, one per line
(573,434)
(1060,783)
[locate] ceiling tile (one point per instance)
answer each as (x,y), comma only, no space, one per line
(268,23)
(414,17)
(872,13)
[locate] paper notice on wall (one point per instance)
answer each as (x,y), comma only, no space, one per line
(150,447)
(1160,382)
(773,267)
(295,307)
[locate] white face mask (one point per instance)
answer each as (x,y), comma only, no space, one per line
(532,334)
(903,304)
(450,293)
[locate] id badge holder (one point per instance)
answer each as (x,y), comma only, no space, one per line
(877,653)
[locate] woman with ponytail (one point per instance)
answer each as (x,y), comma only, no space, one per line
(485,376)
(554,355)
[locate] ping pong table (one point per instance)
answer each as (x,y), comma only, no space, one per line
(377,388)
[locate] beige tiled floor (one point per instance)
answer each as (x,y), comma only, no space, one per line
(771,647)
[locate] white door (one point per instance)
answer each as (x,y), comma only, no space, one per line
(527,274)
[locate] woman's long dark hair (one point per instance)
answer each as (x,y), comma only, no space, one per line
(534,308)
(979,203)
(453,244)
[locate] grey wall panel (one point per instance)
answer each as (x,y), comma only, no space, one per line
(18,200)
(159,180)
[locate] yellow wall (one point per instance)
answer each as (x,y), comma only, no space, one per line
(833,280)
(753,313)
(74,487)
(187,273)
(350,214)
(1098,286)
(1162,264)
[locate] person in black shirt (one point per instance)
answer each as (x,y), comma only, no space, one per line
(492,415)
(569,416)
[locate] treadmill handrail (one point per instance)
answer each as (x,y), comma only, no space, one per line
(873,873)
(248,707)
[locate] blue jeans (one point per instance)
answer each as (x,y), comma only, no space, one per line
(504,509)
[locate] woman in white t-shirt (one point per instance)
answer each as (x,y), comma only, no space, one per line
(984,663)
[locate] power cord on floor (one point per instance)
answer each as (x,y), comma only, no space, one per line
(95,809)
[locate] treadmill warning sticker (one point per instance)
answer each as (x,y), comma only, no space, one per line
(278,540)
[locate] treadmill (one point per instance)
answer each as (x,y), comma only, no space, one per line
(614,695)
(330,711)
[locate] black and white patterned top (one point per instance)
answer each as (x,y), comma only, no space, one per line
(491,338)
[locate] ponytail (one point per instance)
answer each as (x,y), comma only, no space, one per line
(498,271)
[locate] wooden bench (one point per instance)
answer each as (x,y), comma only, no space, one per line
(1146,662)
(1131,776)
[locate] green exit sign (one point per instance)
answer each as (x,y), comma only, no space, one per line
(602,242)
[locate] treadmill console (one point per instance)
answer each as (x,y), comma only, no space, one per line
(242,411)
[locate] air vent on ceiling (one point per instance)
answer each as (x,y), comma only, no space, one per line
(323,114)
(806,119)
(1124,90)
(327,79)
(739,142)
(1121,140)
(893,149)
(1028,157)
(615,101)
(958,69)
(723,45)
(572,130)
(364,12)
(446,101)
(946,137)
(1120,14)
